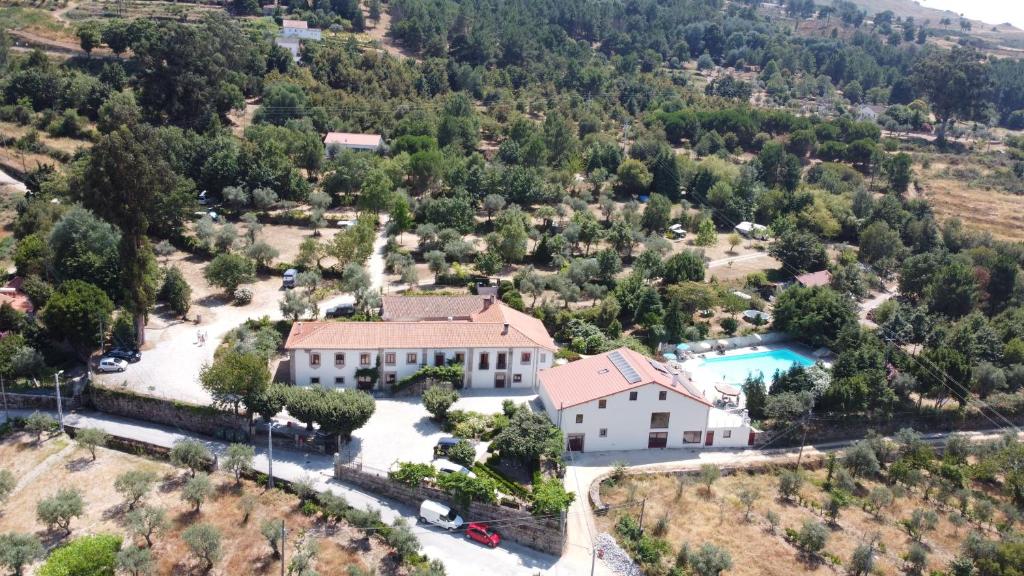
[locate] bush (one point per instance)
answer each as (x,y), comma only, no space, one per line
(203,541)
(85,556)
(437,400)
(16,550)
(411,473)
(463,488)
(191,454)
(242,296)
(462,453)
(812,537)
(551,497)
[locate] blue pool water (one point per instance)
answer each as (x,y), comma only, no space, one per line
(735,369)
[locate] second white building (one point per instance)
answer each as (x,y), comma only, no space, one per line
(622,400)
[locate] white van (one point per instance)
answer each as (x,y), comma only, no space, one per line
(439,515)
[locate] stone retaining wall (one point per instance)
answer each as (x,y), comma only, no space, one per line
(543,534)
(204,420)
(16,401)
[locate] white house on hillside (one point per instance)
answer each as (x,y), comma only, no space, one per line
(622,400)
(335,142)
(498,347)
(299,29)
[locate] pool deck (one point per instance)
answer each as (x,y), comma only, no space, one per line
(698,376)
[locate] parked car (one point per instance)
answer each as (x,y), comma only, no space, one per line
(288,280)
(448,467)
(204,198)
(483,534)
(439,515)
(444,445)
(108,364)
(339,311)
(131,355)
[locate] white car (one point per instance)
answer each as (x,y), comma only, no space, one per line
(448,467)
(108,364)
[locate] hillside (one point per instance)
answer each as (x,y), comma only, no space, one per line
(1004,34)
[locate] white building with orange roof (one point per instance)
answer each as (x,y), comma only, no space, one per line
(299,29)
(622,400)
(498,347)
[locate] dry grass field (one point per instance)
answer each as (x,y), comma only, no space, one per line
(979,207)
(58,463)
(696,518)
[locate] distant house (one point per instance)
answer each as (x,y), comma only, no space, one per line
(290,44)
(335,142)
(869,112)
(820,278)
(299,29)
(622,400)
(751,230)
(12,295)
(498,347)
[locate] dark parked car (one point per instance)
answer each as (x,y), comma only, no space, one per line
(444,445)
(483,534)
(339,311)
(126,354)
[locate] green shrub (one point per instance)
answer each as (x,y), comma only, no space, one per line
(504,484)
(462,453)
(85,556)
(411,473)
(551,497)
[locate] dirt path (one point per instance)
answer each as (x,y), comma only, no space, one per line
(379,32)
(43,467)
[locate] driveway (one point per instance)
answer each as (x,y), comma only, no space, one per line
(401,429)
(173,355)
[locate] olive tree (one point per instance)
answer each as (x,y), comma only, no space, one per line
(191,454)
(197,490)
(134,485)
(147,521)
(90,439)
(59,510)
(437,400)
(238,460)
(204,542)
(17,550)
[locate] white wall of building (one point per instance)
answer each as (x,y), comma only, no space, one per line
(329,373)
(626,424)
(304,33)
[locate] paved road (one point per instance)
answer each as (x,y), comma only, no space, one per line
(460,556)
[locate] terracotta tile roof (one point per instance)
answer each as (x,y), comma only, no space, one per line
(414,308)
(370,335)
(821,278)
(598,377)
(294,24)
(470,308)
(347,139)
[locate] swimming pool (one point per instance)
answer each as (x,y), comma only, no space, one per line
(735,369)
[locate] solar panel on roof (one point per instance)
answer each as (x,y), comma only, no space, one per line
(624,367)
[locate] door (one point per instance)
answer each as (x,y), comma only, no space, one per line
(575,442)
(750,440)
(364,383)
(709,439)
(439,359)
(499,380)
(657,440)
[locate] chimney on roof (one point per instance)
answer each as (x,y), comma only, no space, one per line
(488,300)
(504,329)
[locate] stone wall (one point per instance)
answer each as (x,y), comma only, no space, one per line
(543,534)
(17,401)
(204,420)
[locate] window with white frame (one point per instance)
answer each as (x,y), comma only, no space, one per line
(314,359)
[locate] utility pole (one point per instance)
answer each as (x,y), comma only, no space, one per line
(60,409)
(593,560)
(270,454)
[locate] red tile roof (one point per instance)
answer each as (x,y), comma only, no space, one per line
(598,377)
(415,308)
(820,278)
(11,294)
(370,335)
(294,24)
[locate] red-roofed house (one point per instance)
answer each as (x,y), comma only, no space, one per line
(498,346)
(11,294)
(299,29)
(622,400)
(820,278)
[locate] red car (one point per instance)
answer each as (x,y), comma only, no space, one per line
(483,534)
